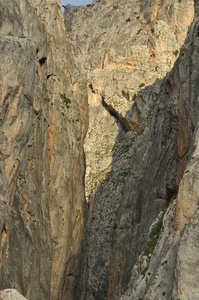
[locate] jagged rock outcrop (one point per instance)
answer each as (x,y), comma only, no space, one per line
(43,124)
(123,46)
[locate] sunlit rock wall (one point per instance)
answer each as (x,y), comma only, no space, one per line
(43,124)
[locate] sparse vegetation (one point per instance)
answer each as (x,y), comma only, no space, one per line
(128,20)
(66,100)
(143,272)
(47,96)
(141,85)
(153,236)
(176,52)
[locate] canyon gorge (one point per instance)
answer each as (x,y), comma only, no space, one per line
(99,150)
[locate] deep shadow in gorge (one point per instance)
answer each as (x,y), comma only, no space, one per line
(53,244)
(147,168)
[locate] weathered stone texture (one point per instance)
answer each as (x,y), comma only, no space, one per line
(123,46)
(11,294)
(153,275)
(43,125)
(173,269)
(147,167)
(187,271)
(47,249)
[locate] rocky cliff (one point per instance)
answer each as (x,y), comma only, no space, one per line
(137,235)
(43,124)
(147,166)
(123,46)
(148,160)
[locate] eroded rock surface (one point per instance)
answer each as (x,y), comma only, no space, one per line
(45,253)
(11,294)
(43,124)
(123,46)
(147,167)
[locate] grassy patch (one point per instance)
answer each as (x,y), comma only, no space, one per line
(153,236)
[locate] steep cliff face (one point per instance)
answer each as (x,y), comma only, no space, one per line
(43,125)
(123,46)
(145,171)
(125,248)
(171,271)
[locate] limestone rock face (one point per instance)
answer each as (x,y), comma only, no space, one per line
(153,276)
(119,245)
(171,271)
(187,260)
(43,124)
(123,46)
(11,294)
(171,12)
(148,167)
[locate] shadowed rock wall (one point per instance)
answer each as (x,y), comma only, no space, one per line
(47,249)
(147,171)
(123,46)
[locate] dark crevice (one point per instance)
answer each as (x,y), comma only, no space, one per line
(4,229)
(48,76)
(125,95)
(125,124)
(171,193)
(70,274)
(42,61)
(91,88)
